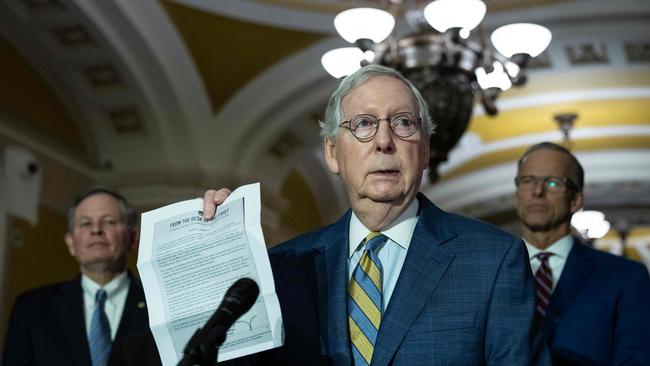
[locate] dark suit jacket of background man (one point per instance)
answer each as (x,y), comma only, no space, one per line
(600,310)
(464,296)
(47,325)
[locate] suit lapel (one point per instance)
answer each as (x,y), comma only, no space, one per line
(576,270)
(134,317)
(424,266)
(332,278)
(73,322)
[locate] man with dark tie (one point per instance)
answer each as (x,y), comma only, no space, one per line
(396,280)
(593,307)
(73,323)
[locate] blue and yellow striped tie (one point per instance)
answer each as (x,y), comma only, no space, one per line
(365,299)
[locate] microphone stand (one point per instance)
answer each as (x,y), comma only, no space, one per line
(203,346)
(202,349)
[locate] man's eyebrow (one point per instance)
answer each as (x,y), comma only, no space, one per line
(110,215)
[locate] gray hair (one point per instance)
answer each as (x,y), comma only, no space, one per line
(576,168)
(128,214)
(334,110)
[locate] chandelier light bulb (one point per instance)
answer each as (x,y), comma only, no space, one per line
(341,62)
(591,224)
(359,23)
(512,69)
(496,79)
(369,56)
(527,38)
(445,14)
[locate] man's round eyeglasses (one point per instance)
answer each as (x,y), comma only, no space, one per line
(364,126)
(551,183)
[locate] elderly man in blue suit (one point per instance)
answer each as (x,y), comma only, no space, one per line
(396,280)
(594,307)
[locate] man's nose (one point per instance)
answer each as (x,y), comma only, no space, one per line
(384,137)
(97,228)
(539,187)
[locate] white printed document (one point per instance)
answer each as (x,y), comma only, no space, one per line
(187,263)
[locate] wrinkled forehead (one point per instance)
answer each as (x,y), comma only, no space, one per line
(548,162)
(381,90)
(98,204)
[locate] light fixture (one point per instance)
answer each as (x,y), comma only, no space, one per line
(590,224)
(352,24)
(521,38)
(447,14)
(565,122)
(433,46)
(342,61)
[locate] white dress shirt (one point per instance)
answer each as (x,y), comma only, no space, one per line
(116,290)
(392,254)
(560,250)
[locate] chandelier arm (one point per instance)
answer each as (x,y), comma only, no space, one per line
(365,44)
(521,60)
(488,100)
(487,55)
(391,41)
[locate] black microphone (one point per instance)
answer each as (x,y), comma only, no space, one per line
(239,298)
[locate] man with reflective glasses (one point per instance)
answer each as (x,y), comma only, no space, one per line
(593,307)
(396,280)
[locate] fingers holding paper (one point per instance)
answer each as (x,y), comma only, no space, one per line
(211,199)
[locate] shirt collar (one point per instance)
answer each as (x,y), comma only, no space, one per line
(90,287)
(400,231)
(560,248)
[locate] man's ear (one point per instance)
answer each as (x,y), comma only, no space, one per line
(69,242)
(576,202)
(329,147)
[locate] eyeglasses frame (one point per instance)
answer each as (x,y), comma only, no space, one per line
(568,183)
(387,119)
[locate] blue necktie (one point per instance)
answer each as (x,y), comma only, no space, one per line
(100,332)
(365,301)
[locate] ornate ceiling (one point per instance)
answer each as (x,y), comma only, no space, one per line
(165,98)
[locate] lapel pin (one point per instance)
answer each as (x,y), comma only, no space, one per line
(141,305)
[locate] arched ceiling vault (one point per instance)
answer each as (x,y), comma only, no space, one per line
(165,98)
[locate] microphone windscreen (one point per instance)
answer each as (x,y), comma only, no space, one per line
(240,297)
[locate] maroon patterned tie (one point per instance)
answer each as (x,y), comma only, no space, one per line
(544,284)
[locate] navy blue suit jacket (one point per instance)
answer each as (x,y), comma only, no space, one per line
(47,325)
(465,296)
(600,311)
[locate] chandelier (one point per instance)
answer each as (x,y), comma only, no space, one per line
(434,47)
